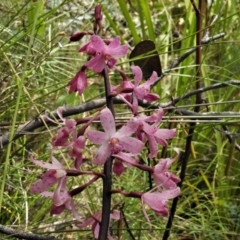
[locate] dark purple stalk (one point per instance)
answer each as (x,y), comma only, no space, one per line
(107,180)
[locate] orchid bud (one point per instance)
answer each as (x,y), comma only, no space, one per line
(98,13)
(77,36)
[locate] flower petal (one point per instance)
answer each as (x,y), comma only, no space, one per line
(97,63)
(151,97)
(84,47)
(97,43)
(131,144)
(97,137)
(126,158)
(56,164)
(153,146)
(153,198)
(151,80)
(135,104)
(165,133)
(156,117)
(165,181)
(78,83)
(108,122)
(118,167)
(115,42)
(81,82)
(149,129)
(158,200)
(42,185)
(141,92)
(115,49)
(61,195)
(137,74)
(115,215)
(128,128)
(102,154)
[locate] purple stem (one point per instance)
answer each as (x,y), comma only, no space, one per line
(107,180)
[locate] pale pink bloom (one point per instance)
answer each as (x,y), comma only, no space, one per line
(64,133)
(77,147)
(61,200)
(161,174)
(142,92)
(78,83)
(113,142)
(157,201)
(152,133)
(102,52)
(95,220)
(61,139)
(55,173)
(159,137)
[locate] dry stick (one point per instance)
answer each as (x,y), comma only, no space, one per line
(107,180)
(32,125)
(231,137)
(186,155)
(23,235)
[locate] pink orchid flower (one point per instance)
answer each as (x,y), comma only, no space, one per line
(78,145)
(152,133)
(142,92)
(61,200)
(64,133)
(113,142)
(159,137)
(95,220)
(55,174)
(157,201)
(161,175)
(78,83)
(103,52)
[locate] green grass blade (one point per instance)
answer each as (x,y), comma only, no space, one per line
(129,21)
(148,18)
(20,83)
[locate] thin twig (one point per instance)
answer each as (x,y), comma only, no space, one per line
(23,235)
(32,125)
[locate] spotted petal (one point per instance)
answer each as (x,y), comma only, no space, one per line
(131,144)
(102,154)
(97,137)
(137,74)
(108,122)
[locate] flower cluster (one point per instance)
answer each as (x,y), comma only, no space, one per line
(122,144)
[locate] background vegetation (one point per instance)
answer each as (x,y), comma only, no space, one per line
(37,61)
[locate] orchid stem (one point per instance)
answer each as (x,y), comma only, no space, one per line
(107,180)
